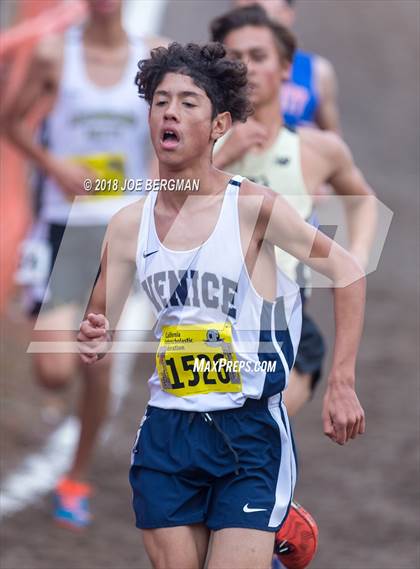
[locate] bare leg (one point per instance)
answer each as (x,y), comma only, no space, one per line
(93,412)
(298,391)
(182,547)
(241,548)
(56,371)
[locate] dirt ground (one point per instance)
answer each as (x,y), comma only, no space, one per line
(365,496)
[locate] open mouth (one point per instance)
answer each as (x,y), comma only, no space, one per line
(169,139)
(170,135)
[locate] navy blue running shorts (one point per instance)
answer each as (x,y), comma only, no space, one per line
(233,468)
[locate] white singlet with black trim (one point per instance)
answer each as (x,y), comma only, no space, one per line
(209,288)
(103,128)
(279,168)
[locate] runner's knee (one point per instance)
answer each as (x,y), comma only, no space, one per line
(159,556)
(54,371)
(166,551)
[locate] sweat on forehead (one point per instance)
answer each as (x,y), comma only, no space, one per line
(223,80)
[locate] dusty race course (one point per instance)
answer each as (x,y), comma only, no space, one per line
(364,496)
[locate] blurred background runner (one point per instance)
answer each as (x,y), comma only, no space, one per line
(310,95)
(96,130)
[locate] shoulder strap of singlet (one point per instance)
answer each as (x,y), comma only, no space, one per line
(231,204)
(145,233)
(233,187)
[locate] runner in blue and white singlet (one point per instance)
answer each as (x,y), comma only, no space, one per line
(199,287)
(214,450)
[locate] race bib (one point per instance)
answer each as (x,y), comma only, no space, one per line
(110,174)
(198,358)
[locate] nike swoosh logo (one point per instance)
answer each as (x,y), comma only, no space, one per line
(151,253)
(248,510)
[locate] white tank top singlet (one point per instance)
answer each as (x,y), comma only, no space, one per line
(209,287)
(104,128)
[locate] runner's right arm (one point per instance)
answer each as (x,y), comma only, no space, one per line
(118,266)
(38,88)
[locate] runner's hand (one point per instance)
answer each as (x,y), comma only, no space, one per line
(94,338)
(71,177)
(342,414)
(243,137)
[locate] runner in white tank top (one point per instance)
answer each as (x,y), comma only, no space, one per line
(207,262)
(96,127)
(103,128)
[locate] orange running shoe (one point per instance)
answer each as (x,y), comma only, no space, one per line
(71,504)
(297,540)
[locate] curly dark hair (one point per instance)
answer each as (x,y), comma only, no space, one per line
(254,15)
(224,80)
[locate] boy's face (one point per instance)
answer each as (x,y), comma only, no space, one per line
(180,120)
(256,47)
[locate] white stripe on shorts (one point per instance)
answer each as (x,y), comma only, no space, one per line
(287,472)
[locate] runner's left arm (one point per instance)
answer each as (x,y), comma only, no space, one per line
(282,226)
(359,199)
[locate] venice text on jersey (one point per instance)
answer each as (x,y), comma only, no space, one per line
(190,288)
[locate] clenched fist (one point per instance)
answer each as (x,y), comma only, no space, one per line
(94,338)
(343,416)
